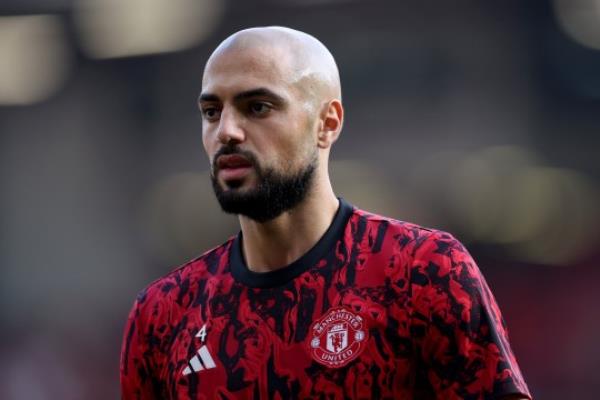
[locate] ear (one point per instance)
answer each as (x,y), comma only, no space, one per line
(332,120)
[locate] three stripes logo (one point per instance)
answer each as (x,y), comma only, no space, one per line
(202,359)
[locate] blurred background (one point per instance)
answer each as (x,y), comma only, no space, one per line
(481,118)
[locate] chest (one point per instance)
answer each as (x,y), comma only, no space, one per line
(301,341)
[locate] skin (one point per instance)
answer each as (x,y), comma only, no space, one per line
(275,92)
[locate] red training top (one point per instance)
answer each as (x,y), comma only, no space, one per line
(377,309)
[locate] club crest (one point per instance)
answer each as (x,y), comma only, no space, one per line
(338,337)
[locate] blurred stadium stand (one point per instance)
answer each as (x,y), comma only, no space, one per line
(481,118)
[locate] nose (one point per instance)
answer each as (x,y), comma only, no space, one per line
(230,127)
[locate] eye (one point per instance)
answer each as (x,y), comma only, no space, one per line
(210,113)
(259,108)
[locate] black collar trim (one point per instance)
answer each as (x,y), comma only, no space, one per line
(281,276)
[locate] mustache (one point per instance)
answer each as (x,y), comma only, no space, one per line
(234,149)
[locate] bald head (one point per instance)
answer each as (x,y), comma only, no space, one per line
(302,60)
(271,96)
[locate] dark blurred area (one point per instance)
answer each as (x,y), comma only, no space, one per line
(480,118)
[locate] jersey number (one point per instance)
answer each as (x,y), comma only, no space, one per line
(202,333)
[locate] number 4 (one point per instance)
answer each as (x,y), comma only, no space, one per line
(202,333)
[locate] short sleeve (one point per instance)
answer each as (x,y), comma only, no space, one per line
(137,381)
(461,340)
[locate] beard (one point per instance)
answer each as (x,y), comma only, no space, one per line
(274,194)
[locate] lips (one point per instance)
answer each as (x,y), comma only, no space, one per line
(233,167)
(229,161)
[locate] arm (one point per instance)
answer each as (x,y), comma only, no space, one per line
(460,336)
(135,371)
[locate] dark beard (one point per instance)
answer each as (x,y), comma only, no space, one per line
(274,194)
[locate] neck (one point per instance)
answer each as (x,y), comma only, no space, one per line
(274,244)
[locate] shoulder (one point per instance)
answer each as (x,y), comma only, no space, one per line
(424,253)
(399,235)
(178,287)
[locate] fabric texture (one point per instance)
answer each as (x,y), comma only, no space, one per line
(377,309)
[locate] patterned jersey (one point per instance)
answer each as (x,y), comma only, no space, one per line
(377,309)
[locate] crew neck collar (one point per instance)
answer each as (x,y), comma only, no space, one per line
(279,277)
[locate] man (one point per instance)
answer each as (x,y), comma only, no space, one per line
(313,298)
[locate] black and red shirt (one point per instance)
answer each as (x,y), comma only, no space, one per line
(377,309)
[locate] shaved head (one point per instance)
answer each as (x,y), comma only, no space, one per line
(303,60)
(271,102)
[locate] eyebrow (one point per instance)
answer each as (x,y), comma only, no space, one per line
(259,92)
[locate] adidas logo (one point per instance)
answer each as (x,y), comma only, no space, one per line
(202,360)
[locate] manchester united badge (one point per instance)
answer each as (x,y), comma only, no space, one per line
(338,337)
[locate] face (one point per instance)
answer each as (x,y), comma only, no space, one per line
(258,132)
